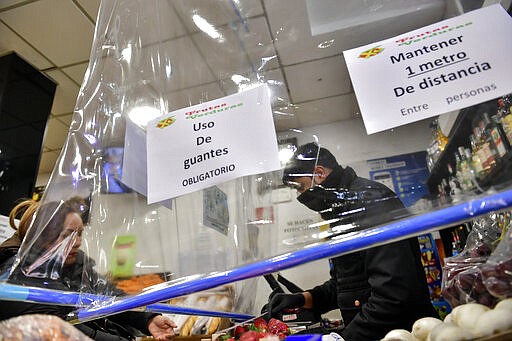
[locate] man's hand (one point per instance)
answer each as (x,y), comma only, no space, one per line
(162,328)
(278,302)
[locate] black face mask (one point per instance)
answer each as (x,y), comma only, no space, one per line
(318,198)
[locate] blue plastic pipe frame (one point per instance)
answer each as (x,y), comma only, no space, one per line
(412,226)
(41,295)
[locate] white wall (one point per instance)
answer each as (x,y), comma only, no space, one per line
(350,144)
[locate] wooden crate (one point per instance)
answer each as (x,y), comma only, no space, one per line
(505,336)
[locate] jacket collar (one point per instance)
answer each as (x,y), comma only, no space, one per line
(340,178)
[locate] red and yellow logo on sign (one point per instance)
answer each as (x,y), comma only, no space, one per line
(371,52)
(166,122)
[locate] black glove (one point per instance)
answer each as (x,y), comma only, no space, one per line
(278,302)
(274,292)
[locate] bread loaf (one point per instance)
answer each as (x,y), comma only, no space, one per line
(187,326)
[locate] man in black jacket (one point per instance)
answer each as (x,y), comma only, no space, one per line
(377,289)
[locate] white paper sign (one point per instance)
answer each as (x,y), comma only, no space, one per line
(210,143)
(450,65)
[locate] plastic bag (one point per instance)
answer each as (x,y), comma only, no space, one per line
(164,62)
(39,327)
(497,271)
(462,277)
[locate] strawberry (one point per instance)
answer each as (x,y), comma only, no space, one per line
(260,324)
(262,335)
(239,330)
(272,322)
(276,327)
(250,335)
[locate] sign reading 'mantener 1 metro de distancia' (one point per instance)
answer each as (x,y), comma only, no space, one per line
(440,68)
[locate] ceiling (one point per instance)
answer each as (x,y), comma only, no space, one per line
(56,37)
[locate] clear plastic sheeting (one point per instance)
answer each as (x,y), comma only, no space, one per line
(95,236)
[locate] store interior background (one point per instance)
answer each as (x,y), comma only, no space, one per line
(55,36)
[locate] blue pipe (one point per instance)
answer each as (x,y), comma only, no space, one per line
(165,308)
(42,295)
(48,296)
(412,226)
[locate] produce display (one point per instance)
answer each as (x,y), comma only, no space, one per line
(497,271)
(478,285)
(463,282)
(274,329)
(218,299)
(466,322)
(137,284)
(482,272)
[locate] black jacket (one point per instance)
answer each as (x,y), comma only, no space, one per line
(377,289)
(121,326)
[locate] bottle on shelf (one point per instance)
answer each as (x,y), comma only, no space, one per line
(456,244)
(443,191)
(464,173)
(488,149)
(471,170)
(477,156)
(494,129)
(437,145)
(505,116)
(453,183)
(440,136)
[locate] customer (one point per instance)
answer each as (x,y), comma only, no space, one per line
(9,248)
(50,257)
(378,289)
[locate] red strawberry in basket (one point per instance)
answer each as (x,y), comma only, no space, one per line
(262,335)
(239,330)
(260,324)
(276,327)
(251,335)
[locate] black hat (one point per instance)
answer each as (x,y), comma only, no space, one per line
(304,160)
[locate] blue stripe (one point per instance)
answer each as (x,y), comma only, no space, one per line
(412,226)
(165,308)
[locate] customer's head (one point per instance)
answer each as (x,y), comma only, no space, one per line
(23,212)
(56,232)
(308,166)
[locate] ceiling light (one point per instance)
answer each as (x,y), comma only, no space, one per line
(206,27)
(285,154)
(127,54)
(238,79)
(143,114)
